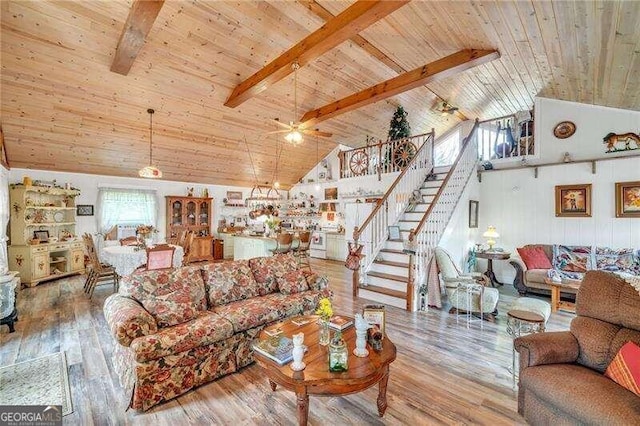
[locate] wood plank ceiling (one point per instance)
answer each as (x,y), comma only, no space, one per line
(62,109)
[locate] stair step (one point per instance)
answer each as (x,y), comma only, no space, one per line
(392,263)
(396,240)
(392,251)
(388,276)
(407,220)
(386,291)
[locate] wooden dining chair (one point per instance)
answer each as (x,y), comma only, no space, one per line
(188,248)
(302,251)
(129,241)
(99,272)
(283,243)
(160,257)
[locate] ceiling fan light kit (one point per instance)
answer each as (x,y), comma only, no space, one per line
(150,171)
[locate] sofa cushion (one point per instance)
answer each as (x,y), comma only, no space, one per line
(588,396)
(595,338)
(293,282)
(534,258)
(171,296)
(625,368)
(536,275)
(228,282)
(250,313)
(208,328)
(266,270)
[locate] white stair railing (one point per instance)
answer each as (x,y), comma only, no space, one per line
(428,232)
(373,232)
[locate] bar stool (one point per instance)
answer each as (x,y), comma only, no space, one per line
(302,251)
(283,243)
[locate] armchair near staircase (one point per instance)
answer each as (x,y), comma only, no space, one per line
(481,299)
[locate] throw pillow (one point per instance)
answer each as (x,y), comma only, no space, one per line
(625,368)
(171,296)
(293,282)
(227,282)
(534,258)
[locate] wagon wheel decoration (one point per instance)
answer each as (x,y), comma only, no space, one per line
(359,162)
(403,154)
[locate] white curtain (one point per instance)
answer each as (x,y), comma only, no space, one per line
(117,206)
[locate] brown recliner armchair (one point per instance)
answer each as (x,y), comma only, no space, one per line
(561,373)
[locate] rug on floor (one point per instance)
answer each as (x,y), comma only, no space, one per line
(39,381)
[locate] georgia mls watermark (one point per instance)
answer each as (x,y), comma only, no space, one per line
(30,415)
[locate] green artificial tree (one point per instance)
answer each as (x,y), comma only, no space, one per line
(399,127)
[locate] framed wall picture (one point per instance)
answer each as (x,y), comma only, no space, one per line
(331,193)
(84,210)
(234,196)
(394,233)
(42,235)
(573,200)
(473,213)
(628,199)
(375,315)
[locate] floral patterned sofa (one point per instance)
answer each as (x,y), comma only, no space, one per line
(180,328)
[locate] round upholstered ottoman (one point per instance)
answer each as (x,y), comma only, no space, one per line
(533,305)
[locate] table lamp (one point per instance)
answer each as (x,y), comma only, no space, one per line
(491,233)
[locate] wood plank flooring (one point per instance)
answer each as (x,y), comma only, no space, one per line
(444,372)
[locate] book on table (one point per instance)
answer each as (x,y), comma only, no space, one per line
(277,348)
(339,322)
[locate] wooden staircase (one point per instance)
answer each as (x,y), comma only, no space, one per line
(386,281)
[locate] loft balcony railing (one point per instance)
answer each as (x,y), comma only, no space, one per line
(379,158)
(505,138)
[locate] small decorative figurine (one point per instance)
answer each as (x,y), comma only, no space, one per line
(298,352)
(567,157)
(361,337)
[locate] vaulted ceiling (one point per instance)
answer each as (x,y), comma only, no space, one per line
(63,109)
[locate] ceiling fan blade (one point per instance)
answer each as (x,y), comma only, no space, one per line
(285,125)
(277,131)
(317,133)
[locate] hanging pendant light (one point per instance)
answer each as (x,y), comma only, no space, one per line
(294,137)
(151,171)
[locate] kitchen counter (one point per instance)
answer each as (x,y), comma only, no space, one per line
(247,246)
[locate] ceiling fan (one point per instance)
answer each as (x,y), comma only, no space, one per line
(293,130)
(446,108)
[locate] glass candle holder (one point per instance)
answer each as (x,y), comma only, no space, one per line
(338,354)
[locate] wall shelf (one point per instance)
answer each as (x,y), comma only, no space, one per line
(535,167)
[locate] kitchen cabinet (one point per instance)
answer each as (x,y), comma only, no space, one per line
(228,243)
(246,247)
(191,214)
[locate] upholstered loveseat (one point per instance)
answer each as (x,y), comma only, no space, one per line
(561,373)
(178,329)
(570,263)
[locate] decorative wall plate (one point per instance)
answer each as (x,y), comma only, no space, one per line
(58,217)
(564,129)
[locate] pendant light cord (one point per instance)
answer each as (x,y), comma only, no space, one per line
(295,67)
(150,111)
(255,176)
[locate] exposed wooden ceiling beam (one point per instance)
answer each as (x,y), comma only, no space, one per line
(437,70)
(141,17)
(323,13)
(342,27)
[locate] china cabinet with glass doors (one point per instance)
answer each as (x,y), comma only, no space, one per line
(191,214)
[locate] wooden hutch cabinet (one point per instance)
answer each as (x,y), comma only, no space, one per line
(48,214)
(191,214)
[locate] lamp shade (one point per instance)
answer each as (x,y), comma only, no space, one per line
(491,232)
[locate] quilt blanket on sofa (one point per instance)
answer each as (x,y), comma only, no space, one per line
(572,262)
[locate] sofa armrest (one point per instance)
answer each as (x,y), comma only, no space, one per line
(547,348)
(127,319)
(519,281)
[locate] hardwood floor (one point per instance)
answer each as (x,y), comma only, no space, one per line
(444,373)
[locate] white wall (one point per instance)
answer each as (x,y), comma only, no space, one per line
(592,124)
(89,184)
(522,208)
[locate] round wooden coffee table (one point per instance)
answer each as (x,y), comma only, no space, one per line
(316,379)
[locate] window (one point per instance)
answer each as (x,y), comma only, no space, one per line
(126,207)
(447,150)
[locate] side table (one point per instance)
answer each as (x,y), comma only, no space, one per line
(556,302)
(519,323)
(491,256)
